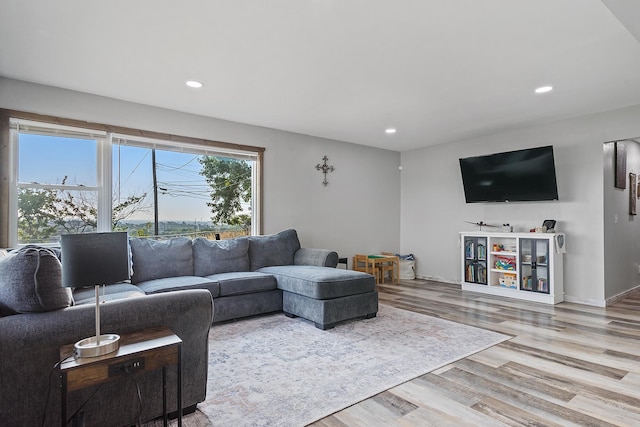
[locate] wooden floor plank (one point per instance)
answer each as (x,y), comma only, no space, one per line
(567,364)
(554,412)
(441,406)
(606,411)
(511,415)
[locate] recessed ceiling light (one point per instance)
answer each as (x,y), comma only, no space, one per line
(544,89)
(390,130)
(195,84)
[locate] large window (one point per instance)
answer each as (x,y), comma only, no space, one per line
(181,189)
(70,180)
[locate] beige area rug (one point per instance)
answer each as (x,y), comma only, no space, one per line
(276,371)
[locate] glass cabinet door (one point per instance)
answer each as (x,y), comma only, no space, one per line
(534,265)
(475,258)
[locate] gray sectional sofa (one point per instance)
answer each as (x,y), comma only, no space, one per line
(185,285)
(256,275)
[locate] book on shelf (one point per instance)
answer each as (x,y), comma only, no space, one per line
(469,249)
(482,251)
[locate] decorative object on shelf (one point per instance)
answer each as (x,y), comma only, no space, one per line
(94,259)
(504,263)
(621,165)
(481,224)
(633,193)
(325,168)
(508,280)
(550,224)
(560,243)
(507,228)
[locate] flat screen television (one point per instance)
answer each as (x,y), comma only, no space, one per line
(513,176)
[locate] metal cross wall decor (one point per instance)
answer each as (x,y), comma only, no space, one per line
(324,168)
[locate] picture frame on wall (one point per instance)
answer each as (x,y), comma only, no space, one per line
(620,165)
(633,193)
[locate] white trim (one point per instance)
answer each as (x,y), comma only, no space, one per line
(105,183)
(52,129)
(182,147)
(64,187)
(13,188)
(437,279)
(255,205)
(575,300)
(614,299)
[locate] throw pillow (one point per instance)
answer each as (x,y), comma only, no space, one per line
(157,259)
(275,249)
(31,282)
(220,256)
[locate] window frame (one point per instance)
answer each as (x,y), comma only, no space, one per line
(103,171)
(104,135)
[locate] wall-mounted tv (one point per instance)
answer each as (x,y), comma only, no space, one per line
(514,176)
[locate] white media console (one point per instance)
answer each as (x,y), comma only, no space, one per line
(526,266)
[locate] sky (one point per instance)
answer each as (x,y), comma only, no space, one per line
(182,193)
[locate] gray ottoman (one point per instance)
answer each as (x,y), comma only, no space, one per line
(325,295)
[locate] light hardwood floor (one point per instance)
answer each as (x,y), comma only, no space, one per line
(566,365)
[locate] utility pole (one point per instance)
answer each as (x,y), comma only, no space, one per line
(155,192)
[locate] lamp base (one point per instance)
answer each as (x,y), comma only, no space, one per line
(89,347)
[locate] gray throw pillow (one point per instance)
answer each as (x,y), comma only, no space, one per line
(220,256)
(157,259)
(31,282)
(274,249)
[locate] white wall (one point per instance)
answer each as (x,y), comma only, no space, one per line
(359,211)
(621,230)
(434,210)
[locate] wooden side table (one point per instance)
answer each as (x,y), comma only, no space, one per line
(142,351)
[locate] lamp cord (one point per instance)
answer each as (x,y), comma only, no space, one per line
(46,404)
(135,381)
(84,404)
(58,363)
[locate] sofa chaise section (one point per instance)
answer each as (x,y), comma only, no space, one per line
(325,296)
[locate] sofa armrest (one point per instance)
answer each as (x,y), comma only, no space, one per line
(318,257)
(30,346)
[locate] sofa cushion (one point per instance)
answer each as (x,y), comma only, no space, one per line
(321,282)
(157,259)
(220,256)
(107,293)
(179,283)
(240,283)
(31,282)
(274,249)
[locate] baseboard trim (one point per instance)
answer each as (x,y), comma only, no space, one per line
(567,298)
(614,299)
(593,303)
(438,279)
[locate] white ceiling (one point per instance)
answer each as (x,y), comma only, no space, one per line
(437,70)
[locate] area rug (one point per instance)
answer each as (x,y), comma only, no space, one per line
(276,371)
